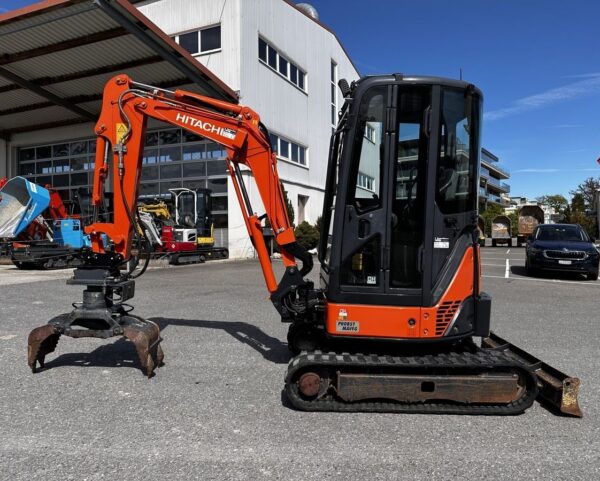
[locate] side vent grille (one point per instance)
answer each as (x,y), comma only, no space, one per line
(444,317)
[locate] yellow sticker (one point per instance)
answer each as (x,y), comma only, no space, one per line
(121,131)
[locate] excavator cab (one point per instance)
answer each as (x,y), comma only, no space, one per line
(402,191)
(204,223)
(192,210)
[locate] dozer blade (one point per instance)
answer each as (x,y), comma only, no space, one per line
(145,336)
(556,389)
(42,341)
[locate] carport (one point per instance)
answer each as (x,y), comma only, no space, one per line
(58,54)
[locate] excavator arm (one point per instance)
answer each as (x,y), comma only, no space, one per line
(127,105)
(126,108)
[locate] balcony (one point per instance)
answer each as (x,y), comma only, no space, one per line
(493,168)
(495,198)
(497,185)
(488,157)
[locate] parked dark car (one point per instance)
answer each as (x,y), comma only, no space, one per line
(561,247)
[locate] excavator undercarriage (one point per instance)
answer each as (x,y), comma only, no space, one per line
(473,381)
(496,378)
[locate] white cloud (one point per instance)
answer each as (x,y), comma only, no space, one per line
(552,171)
(588,86)
(583,75)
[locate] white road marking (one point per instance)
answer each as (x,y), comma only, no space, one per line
(7,337)
(506,272)
(508,251)
(492,265)
(555,281)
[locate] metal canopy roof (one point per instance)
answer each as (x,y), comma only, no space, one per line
(57,55)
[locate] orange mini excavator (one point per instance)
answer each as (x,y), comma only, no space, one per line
(391,326)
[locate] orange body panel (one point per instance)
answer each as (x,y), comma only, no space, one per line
(400,322)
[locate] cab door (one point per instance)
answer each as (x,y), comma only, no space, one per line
(384,225)
(408,240)
(364,223)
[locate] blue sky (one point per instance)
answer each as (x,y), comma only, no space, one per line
(537,62)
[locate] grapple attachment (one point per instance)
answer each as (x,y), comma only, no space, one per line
(42,341)
(100,316)
(145,336)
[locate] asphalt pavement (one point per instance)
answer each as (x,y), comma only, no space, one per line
(215,410)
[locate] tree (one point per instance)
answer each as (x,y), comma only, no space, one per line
(488,215)
(318,223)
(558,202)
(588,190)
(575,214)
(577,203)
(514,223)
(588,223)
(289,207)
(307,235)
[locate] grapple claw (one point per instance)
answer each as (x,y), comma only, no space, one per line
(145,336)
(42,341)
(101,315)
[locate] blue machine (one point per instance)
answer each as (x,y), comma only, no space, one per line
(69,232)
(21,202)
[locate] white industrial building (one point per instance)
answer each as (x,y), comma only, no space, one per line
(280,60)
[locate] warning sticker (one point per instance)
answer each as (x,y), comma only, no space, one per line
(229,133)
(121,130)
(346,326)
(441,243)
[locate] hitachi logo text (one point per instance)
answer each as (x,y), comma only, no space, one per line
(206,126)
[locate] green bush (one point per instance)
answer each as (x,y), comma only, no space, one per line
(307,235)
(318,224)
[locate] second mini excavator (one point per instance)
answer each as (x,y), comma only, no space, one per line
(391,326)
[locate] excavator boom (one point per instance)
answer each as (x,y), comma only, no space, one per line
(126,108)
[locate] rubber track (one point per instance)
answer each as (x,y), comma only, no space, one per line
(479,361)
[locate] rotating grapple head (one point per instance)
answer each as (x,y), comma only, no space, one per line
(99,316)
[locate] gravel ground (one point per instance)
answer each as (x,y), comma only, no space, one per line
(215,410)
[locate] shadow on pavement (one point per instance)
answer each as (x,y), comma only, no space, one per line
(271,348)
(114,354)
(122,353)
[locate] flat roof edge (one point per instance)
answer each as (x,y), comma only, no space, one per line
(126,8)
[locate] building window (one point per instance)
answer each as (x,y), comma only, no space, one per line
(270,57)
(205,40)
(333,79)
(289,150)
(370,133)
(65,167)
(171,158)
(365,181)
